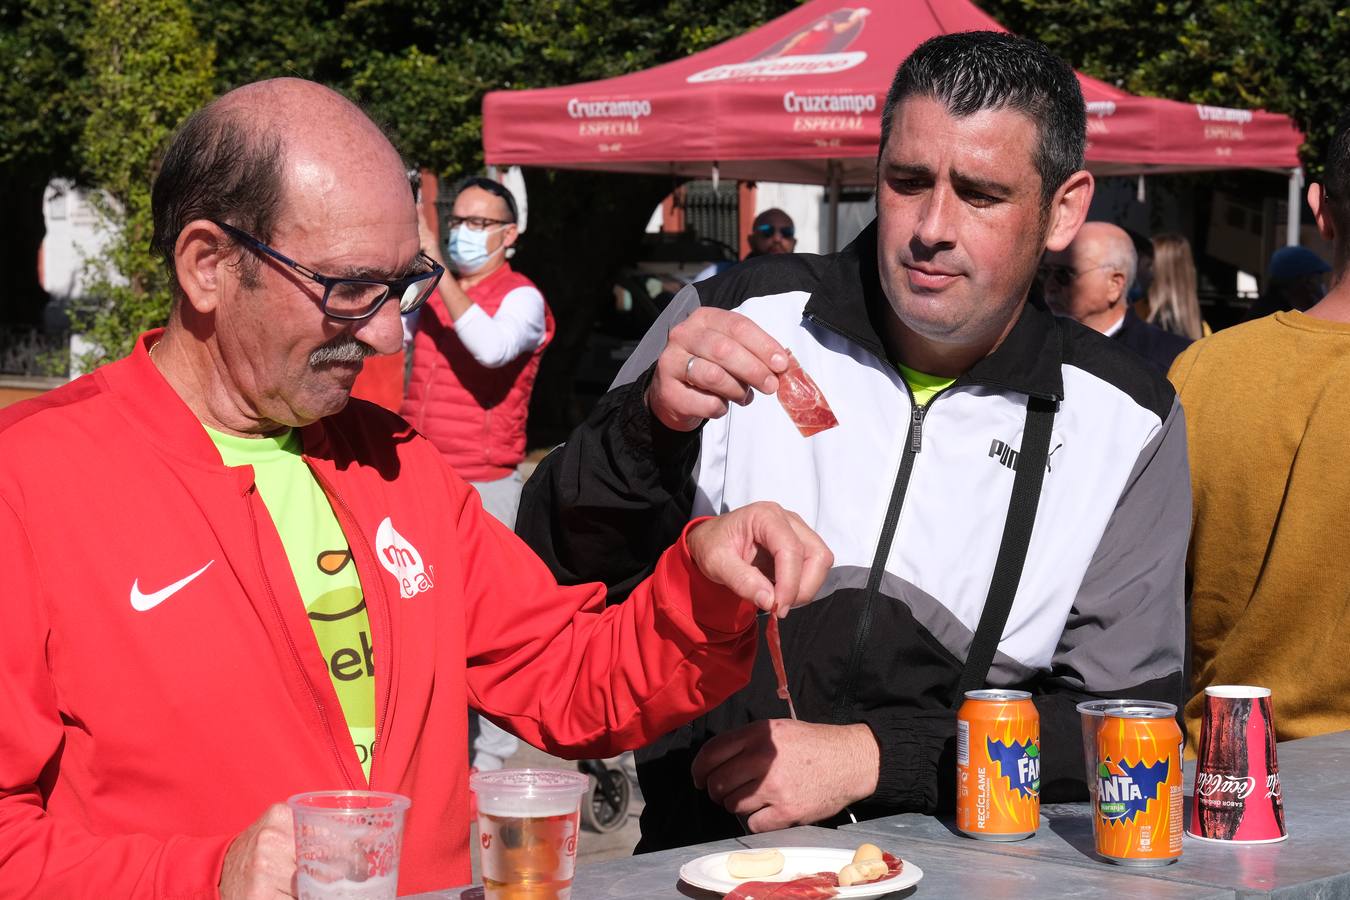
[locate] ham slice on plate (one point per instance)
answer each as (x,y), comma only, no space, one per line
(805,404)
(808,887)
(772,638)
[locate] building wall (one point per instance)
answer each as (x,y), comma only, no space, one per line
(74,234)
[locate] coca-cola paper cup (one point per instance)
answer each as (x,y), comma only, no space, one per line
(1237,780)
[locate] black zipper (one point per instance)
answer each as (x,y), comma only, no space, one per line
(290,641)
(844,699)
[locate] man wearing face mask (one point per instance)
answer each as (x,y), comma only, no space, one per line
(475,356)
(477,347)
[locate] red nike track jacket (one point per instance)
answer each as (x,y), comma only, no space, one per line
(147,717)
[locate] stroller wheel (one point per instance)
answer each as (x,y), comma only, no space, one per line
(604,808)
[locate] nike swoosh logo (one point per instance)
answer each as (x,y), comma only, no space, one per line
(143,602)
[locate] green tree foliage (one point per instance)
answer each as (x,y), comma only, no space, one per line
(421,68)
(1286,56)
(148,70)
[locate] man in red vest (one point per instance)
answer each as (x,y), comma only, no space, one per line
(477,347)
(475,356)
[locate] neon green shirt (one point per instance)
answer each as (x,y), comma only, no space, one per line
(924,386)
(324,572)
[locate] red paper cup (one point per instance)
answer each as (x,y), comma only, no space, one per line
(1237,779)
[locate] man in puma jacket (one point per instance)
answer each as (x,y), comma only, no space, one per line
(912,489)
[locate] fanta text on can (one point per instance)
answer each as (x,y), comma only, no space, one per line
(998,765)
(1139,786)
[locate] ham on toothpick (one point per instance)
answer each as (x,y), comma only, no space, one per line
(806,406)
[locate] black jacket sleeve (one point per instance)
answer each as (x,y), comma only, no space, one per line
(606,504)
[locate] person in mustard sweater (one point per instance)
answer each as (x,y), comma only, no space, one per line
(1268,421)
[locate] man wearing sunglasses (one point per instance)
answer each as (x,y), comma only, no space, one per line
(772,232)
(225,584)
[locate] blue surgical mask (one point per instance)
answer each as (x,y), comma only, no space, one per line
(468,248)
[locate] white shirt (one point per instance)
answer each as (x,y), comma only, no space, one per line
(517,328)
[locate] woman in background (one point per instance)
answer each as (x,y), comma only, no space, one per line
(1172,303)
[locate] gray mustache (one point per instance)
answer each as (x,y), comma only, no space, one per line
(345,350)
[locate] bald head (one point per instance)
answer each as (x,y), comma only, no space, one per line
(772,232)
(1109,245)
(318,128)
(1090,279)
(244,157)
(267,198)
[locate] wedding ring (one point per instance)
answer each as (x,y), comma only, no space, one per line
(687,366)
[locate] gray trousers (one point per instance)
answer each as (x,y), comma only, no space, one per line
(493,746)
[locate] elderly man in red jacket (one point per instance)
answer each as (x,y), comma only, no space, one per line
(226,584)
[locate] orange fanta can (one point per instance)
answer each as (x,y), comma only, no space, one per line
(998,765)
(1139,786)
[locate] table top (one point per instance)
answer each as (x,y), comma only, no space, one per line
(947,872)
(1313,863)
(1058,861)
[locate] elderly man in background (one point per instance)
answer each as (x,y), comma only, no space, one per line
(1090,281)
(239,586)
(1268,413)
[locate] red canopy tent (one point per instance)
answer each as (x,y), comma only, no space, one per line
(799,100)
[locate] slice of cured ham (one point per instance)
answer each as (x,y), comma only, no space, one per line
(801,398)
(772,638)
(809,887)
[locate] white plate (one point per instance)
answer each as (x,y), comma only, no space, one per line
(710,872)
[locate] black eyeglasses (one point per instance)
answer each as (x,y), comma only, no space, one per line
(476,223)
(354,299)
(766,229)
(1063,275)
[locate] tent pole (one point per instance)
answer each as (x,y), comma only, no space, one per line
(832,174)
(1292,217)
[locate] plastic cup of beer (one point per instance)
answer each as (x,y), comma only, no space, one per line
(347,844)
(528,821)
(1092,713)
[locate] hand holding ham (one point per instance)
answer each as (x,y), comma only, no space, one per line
(764,554)
(711,359)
